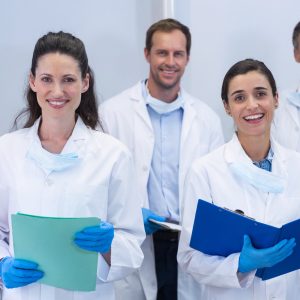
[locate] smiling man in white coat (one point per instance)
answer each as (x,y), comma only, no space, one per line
(286,124)
(166,129)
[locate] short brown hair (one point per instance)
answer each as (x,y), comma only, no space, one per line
(168,25)
(296,34)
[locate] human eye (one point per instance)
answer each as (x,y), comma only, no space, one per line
(261,94)
(239,98)
(161,53)
(179,54)
(69,79)
(46,79)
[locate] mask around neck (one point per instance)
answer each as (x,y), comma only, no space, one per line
(51,162)
(261,179)
(294,98)
(162,107)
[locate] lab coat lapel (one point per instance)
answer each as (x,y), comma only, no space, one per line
(143,140)
(140,109)
(188,142)
(188,119)
(293,111)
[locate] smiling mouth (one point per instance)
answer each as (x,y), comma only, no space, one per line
(254,117)
(57,103)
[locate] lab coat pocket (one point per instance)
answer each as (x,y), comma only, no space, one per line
(87,200)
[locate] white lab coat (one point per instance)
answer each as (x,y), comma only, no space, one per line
(100,185)
(125,116)
(211,179)
(286,123)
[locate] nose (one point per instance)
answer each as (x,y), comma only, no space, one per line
(57,90)
(170,60)
(252,103)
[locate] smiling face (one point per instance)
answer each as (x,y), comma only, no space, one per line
(58,85)
(251,104)
(167,58)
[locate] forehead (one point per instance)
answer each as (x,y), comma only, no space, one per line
(51,62)
(174,39)
(248,81)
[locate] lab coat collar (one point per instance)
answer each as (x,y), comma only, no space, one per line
(76,142)
(136,95)
(234,152)
(292,109)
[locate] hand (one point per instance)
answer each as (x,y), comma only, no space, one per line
(252,259)
(95,238)
(149,226)
(18,272)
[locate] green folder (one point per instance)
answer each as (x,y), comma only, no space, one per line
(49,242)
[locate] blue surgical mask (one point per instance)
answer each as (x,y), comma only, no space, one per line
(263,180)
(51,162)
(294,98)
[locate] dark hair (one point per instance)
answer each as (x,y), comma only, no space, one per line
(243,67)
(168,25)
(63,43)
(296,34)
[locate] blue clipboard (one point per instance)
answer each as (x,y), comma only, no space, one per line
(219,231)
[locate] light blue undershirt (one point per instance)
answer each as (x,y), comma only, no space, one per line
(163,177)
(266,163)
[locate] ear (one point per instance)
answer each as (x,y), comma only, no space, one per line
(297,54)
(227,108)
(276,100)
(32,82)
(147,55)
(85,83)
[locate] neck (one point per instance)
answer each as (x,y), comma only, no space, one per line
(167,95)
(256,147)
(55,133)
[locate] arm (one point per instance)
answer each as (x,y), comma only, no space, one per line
(124,212)
(206,269)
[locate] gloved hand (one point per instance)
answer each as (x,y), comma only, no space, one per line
(18,272)
(95,238)
(252,258)
(151,227)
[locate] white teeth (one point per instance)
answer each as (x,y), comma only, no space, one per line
(254,117)
(57,102)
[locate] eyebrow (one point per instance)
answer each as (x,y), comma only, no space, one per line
(257,89)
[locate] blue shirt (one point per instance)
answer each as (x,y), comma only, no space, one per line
(163,179)
(266,163)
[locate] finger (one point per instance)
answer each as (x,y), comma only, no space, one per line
(24,264)
(279,245)
(21,275)
(247,242)
(82,243)
(157,218)
(287,248)
(98,229)
(106,225)
(94,236)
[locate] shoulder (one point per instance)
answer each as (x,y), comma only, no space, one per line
(121,100)
(101,141)
(13,138)
(212,160)
(200,107)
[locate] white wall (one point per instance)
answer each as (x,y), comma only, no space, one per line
(113,32)
(227,31)
(223,32)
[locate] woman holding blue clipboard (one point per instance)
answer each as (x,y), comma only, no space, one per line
(59,165)
(251,173)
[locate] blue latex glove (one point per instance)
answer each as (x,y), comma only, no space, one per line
(18,272)
(252,258)
(149,226)
(95,238)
